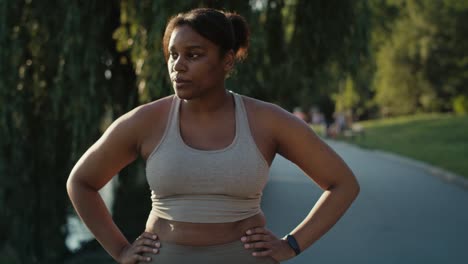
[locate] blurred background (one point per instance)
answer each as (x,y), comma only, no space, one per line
(383,74)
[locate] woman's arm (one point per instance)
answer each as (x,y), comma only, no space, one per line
(302,146)
(117,147)
(296,141)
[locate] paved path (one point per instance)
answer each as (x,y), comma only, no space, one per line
(402,215)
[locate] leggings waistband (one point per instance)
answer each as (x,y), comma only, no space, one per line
(229,253)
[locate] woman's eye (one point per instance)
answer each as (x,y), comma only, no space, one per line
(173,55)
(190,56)
(193,55)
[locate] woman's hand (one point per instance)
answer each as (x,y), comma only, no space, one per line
(145,243)
(266,243)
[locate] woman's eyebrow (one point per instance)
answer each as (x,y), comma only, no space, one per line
(189,47)
(193,47)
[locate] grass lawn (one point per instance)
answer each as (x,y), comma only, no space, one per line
(438,139)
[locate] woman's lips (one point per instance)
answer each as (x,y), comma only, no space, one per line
(180,83)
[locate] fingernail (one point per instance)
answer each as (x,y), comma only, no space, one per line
(157,244)
(155,250)
(248,232)
(254,254)
(243,238)
(246,245)
(148,259)
(154,236)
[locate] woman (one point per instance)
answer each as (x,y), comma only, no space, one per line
(208,152)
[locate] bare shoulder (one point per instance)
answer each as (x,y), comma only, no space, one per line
(274,128)
(269,114)
(261,107)
(148,113)
(130,132)
(147,123)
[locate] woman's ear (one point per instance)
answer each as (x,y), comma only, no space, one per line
(228,61)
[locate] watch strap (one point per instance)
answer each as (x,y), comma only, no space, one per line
(292,242)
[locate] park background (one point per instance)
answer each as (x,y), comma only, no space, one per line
(68,68)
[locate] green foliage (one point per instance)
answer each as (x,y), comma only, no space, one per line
(347,98)
(140,33)
(460,104)
(422,64)
(53,93)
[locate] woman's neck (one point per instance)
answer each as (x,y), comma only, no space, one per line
(209,103)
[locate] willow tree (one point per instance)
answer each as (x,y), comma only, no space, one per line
(55,88)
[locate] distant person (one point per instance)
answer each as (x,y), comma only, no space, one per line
(341,122)
(208,152)
(339,125)
(316,117)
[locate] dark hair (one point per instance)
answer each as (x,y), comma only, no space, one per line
(229,31)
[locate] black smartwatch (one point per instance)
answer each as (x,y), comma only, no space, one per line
(292,242)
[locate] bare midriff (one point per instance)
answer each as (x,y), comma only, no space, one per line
(201,234)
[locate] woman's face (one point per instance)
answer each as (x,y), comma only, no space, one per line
(194,64)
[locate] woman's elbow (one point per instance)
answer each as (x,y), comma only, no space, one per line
(349,186)
(70,185)
(355,188)
(74,184)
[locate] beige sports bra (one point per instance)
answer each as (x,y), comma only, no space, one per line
(206,186)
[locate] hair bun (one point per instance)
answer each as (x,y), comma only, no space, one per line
(241,35)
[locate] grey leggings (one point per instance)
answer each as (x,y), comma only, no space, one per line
(230,253)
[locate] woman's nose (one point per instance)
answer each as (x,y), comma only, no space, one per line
(179,64)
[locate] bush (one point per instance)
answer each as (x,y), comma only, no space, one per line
(460,104)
